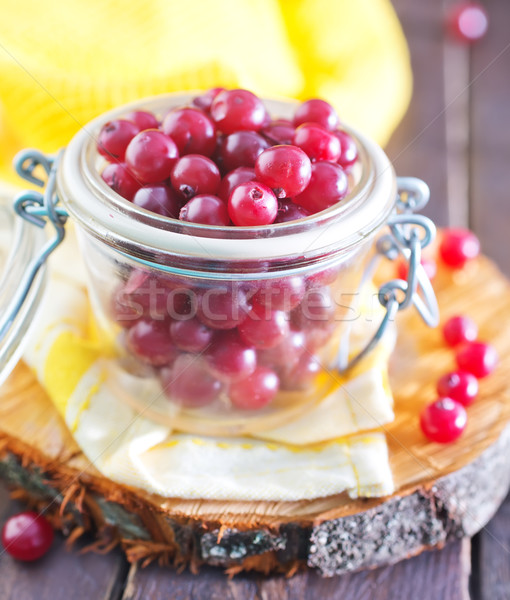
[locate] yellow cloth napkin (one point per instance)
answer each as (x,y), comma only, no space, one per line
(63,63)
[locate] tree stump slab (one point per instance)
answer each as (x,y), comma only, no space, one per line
(443,492)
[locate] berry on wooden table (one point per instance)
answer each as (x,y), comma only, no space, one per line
(478,358)
(468,21)
(27,536)
(458,246)
(458,330)
(443,421)
(458,385)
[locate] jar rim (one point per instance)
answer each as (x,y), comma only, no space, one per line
(143,235)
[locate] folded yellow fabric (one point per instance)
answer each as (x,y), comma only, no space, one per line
(63,63)
(325,451)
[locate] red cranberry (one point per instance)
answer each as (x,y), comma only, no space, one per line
(264,328)
(286,353)
(255,391)
(188,383)
(443,421)
(252,204)
(348,149)
(279,132)
(240,149)
(288,211)
(142,118)
(468,21)
(233,179)
(328,185)
(150,341)
(318,143)
(195,174)
(323,277)
(302,375)
(191,335)
(478,358)
(429,266)
(236,110)
(223,307)
(151,155)
(458,330)
(205,100)
(159,199)
(316,111)
(459,386)
(229,358)
(192,131)
(205,209)
(458,246)
(114,138)
(27,536)
(317,308)
(285,169)
(120,180)
(281,294)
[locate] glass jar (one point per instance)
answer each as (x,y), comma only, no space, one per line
(230,330)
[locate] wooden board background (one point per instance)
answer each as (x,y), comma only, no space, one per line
(455,136)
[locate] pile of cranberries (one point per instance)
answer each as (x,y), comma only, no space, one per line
(222,160)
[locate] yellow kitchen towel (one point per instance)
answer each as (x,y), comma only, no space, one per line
(336,446)
(63,63)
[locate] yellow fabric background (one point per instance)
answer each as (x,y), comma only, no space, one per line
(63,63)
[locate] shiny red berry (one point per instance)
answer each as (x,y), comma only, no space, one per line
(195,174)
(468,21)
(458,246)
(301,375)
(160,199)
(241,149)
(118,177)
(205,100)
(279,132)
(206,209)
(264,328)
(328,185)
(27,536)
(191,335)
(114,138)
(285,169)
(142,118)
(188,382)
(233,179)
(478,358)
(238,110)
(281,294)
(151,155)
(348,149)
(316,111)
(458,330)
(223,307)
(458,385)
(429,266)
(252,204)
(288,211)
(443,421)
(150,341)
(229,358)
(192,131)
(317,142)
(255,391)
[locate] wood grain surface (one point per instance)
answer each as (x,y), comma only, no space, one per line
(420,147)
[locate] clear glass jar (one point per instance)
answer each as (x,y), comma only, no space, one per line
(186,312)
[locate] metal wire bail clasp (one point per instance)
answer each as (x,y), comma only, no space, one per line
(409,234)
(38,209)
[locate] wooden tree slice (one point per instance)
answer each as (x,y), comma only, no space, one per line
(443,492)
